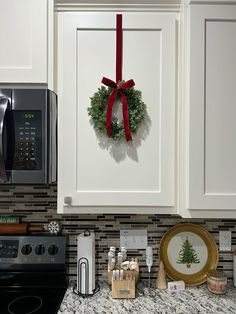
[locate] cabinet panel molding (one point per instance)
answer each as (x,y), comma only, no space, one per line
(103,173)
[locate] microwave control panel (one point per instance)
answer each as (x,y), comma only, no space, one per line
(28,140)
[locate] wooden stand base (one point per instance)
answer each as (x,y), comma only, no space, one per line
(123,289)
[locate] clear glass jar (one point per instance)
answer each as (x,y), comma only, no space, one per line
(217,281)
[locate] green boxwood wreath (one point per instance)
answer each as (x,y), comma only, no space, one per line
(97,111)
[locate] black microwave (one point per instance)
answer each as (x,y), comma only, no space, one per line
(28,136)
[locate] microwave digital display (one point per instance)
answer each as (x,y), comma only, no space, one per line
(29,115)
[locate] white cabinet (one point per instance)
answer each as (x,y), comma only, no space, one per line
(95,173)
(211,109)
(24,33)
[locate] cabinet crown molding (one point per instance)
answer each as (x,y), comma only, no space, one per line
(121,5)
(213,2)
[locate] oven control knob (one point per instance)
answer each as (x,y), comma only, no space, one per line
(40,249)
(53,249)
(26,249)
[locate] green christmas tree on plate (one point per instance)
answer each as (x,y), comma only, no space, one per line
(187,254)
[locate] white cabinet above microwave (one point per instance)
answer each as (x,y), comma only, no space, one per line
(26,32)
(97,174)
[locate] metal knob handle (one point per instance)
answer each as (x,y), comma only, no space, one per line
(4,104)
(68,200)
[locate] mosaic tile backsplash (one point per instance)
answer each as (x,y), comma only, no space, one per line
(38,205)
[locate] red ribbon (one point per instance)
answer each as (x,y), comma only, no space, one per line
(111,100)
(118,88)
(118,47)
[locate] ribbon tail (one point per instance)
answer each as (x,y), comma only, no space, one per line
(110,104)
(126,117)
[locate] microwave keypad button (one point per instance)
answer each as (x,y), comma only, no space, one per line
(28,140)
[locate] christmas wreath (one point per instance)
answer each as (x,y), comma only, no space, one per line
(98,110)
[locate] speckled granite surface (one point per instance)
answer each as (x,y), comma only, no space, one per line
(196,300)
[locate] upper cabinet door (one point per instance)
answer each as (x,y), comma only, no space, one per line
(96,172)
(212,141)
(23,33)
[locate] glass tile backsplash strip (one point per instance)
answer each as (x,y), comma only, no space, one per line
(38,205)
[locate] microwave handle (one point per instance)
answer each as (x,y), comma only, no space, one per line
(4,104)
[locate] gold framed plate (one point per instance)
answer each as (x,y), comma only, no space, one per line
(188,252)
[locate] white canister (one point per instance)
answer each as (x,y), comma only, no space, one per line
(234,267)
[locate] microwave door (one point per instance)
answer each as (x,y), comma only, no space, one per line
(4,107)
(29,115)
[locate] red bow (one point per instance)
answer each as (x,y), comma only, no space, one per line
(112,98)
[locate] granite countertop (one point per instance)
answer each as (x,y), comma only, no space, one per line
(193,300)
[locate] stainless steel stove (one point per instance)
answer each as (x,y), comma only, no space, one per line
(32,274)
